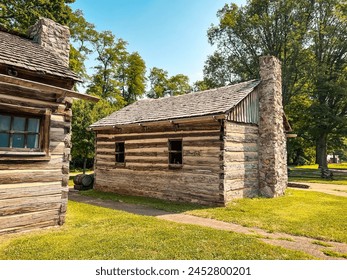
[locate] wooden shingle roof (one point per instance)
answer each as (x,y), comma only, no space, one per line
(209,102)
(23,53)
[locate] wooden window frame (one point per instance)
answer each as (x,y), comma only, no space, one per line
(175,165)
(27,154)
(119,163)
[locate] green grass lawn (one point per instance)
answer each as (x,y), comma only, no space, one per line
(97,233)
(311,174)
(299,212)
(311,214)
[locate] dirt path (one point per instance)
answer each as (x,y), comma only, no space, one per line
(292,242)
(339,190)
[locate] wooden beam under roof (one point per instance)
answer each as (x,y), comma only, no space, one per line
(44,88)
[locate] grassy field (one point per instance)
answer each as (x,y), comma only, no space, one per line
(98,233)
(311,214)
(311,174)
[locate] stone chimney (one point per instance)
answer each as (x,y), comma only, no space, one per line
(273,177)
(53,36)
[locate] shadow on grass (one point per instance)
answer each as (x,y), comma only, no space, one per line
(168,206)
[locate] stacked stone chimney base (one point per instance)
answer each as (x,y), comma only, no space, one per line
(272,140)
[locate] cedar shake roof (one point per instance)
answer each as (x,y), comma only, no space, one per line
(23,53)
(208,102)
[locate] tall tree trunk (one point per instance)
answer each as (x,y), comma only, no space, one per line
(84,165)
(321,151)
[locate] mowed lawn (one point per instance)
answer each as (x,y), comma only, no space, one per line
(298,212)
(311,174)
(97,233)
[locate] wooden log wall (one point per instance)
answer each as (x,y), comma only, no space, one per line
(146,171)
(34,190)
(240,160)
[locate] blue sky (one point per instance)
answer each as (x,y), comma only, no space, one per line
(169,34)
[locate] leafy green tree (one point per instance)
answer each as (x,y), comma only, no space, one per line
(161,84)
(309,37)
(83,34)
(158,79)
(135,82)
(201,85)
(179,84)
(132,76)
(329,56)
(20,14)
(86,113)
(262,27)
(104,81)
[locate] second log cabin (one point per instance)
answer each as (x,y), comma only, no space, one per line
(206,147)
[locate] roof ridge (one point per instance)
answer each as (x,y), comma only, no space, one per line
(209,102)
(198,92)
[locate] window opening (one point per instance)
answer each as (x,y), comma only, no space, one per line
(19,132)
(175,152)
(120,155)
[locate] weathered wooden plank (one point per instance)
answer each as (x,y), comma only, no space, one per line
(241,138)
(20,220)
(200,160)
(232,127)
(13,176)
(57,134)
(147,159)
(16,108)
(241,147)
(56,148)
(243,174)
(240,156)
(151,135)
(29,204)
(237,184)
(29,227)
(41,89)
(55,162)
(27,102)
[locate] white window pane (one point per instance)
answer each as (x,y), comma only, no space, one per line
(33,125)
(4,140)
(33,141)
(5,122)
(18,124)
(18,140)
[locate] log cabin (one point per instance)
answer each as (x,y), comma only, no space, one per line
(35,125)
(205,147)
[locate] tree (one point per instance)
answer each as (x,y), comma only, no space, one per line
(201,85)
(83,34)
(18,15)
(179,84)
(134,78)
(162,85)
(309,37)
(158,79)
(104,81)
(263,27)
(329,95)
(85,114)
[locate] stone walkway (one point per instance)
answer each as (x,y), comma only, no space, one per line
(292,242)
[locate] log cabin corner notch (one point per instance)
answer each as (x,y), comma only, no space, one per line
(35,125)
(206,147)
